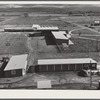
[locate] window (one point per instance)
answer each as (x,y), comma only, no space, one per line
(13,72)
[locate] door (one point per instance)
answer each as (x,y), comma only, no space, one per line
(57,67)
(64,67)
(43,68)
(51,68)
(79,67)
(71,67)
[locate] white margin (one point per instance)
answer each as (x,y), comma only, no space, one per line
(49,94)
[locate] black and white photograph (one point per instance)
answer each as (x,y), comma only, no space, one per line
(49,46)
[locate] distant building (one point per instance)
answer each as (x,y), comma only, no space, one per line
(96,23)
(76,64)
(18,29)
(16,66)
(44,28)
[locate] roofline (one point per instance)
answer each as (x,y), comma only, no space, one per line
(91,61)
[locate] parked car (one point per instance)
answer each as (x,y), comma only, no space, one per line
(86,73)
(83,73)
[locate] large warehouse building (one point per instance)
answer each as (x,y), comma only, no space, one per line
(16,66)
(47,65)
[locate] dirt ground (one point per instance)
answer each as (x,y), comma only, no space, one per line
(59,80)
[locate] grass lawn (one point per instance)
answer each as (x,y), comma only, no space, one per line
(16,44)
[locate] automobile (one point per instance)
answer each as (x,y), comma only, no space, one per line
(83,73)
(87,73)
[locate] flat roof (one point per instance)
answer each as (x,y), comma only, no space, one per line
(65,61)
(17,62)
(35,25)
(18,28)
(61,32)
(46,27)
(59,35)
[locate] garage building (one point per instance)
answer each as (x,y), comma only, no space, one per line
(16,66)
(50,65)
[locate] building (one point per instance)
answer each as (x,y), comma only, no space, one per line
(3,64)
(44,28)
(16,66)
(76,64)
(19,29)
(96,23)
(60,37)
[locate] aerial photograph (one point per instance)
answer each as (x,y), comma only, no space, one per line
(50,46)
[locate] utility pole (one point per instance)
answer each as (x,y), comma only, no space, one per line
(88,49)
(90,74)
(7,45)
(97,45)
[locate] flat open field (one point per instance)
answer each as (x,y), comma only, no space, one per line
(46,51)
(83,20)
(13,44)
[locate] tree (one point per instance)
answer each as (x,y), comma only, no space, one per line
(25,14)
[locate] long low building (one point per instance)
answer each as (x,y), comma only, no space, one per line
(47,65)
(19,29)
(16,66)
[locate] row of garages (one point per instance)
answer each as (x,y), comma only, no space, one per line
(51,65)
(17,65)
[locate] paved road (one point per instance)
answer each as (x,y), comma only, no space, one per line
(83,27)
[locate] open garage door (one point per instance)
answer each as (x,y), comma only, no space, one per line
(79,67)
(37,69)
(64,67)
(43,68)
(51,68)
(57,67)
(71,67)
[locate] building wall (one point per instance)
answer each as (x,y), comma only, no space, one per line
(60,41)
(63,67)
(18,30)
(2,68)
(13,73)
